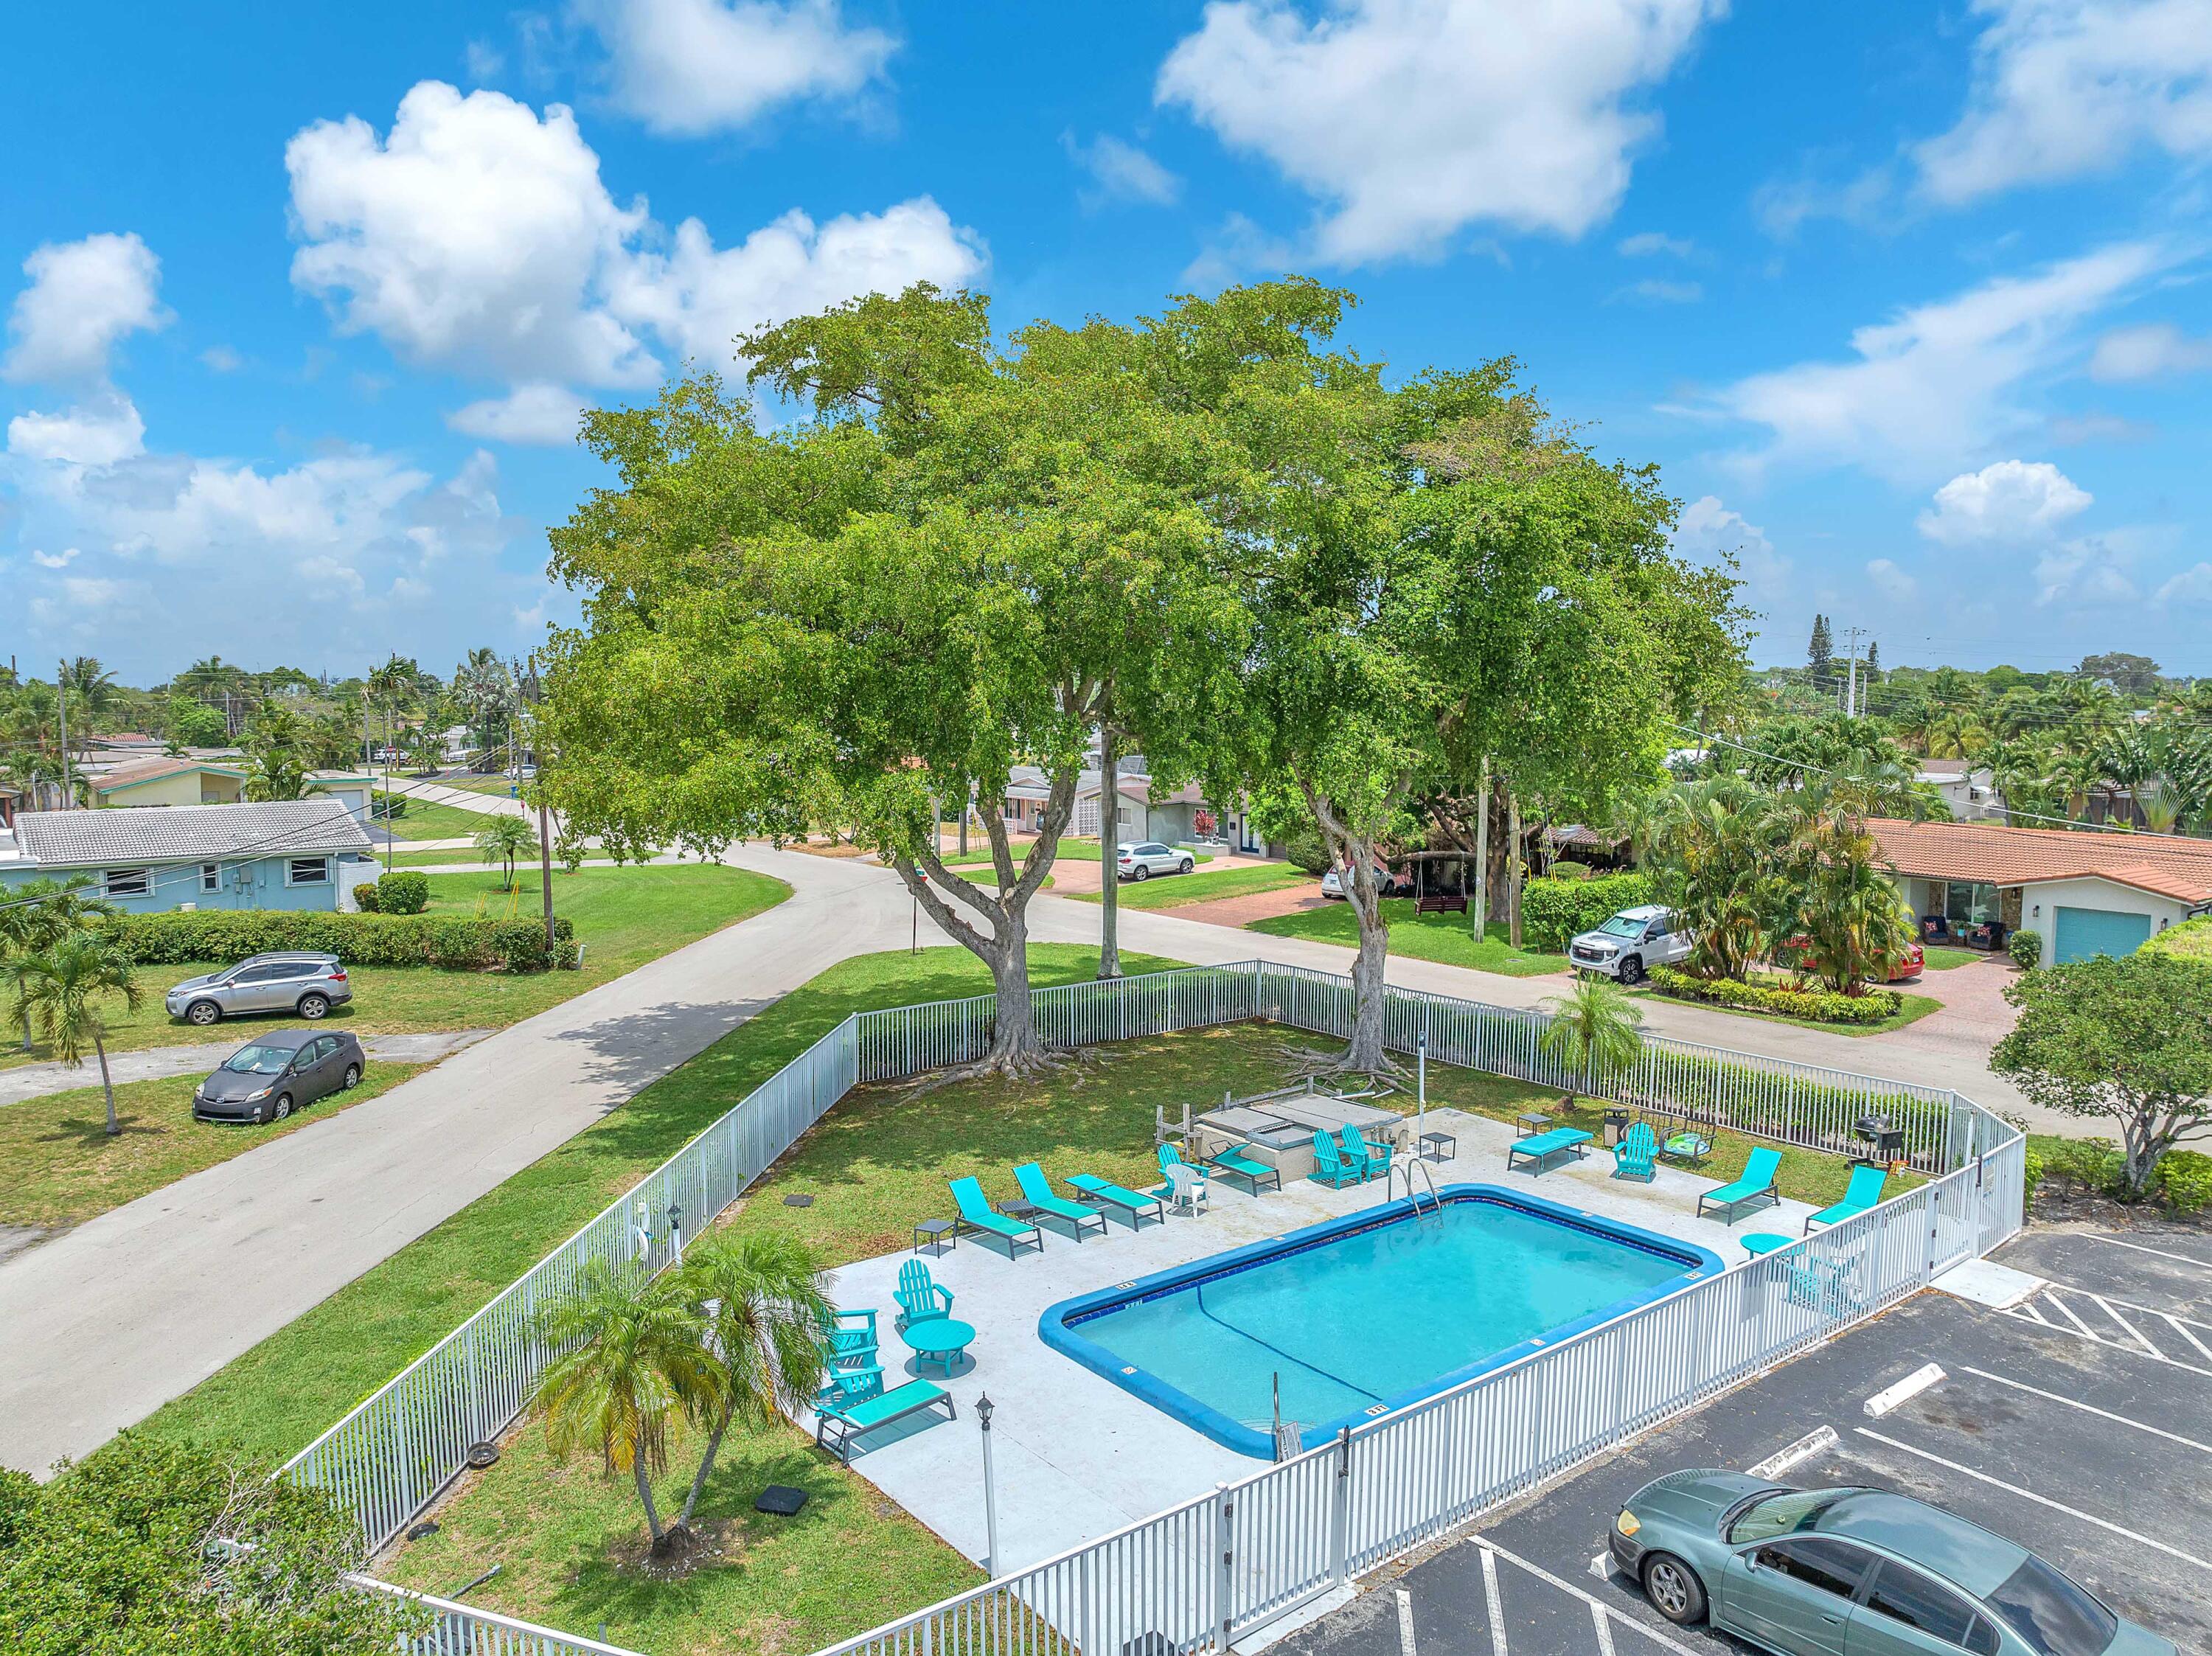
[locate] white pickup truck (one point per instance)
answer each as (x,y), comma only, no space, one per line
(1630,944)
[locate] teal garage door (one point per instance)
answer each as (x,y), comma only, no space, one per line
(2085,932)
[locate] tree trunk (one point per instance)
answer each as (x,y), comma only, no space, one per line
(1512,866)
(108,1086)
(1354,856)
(1495,858)
(1003,945)
(706,1465)
(644,1496)
(1480,909)
(1110,831)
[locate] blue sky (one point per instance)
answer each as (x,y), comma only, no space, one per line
(1908,301)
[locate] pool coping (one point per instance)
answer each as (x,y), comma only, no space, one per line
(1058,1324)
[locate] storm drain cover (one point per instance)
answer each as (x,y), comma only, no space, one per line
(799,1201)
(781,1500)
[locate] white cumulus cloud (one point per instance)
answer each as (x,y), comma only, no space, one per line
(84,296)
(1892,582)
(1940,384)
(100,431)
(1409,120)
(538,413)
(2069,89)
(2191,586)
(2089,570)
(689,67)
(2008,502)
(1119,171)
(1708,529)
(2151,351)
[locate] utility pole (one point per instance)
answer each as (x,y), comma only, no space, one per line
(60,713)
(1851,693)
(544,832)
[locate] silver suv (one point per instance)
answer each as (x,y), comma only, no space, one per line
(309,985)
(1141,860)
(1632,943)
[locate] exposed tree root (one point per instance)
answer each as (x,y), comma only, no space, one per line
(1028,1065)
(1311,1063)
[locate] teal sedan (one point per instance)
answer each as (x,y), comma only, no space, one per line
(1853,1573)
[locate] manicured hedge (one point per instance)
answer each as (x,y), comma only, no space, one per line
(1822,1005)
(1553,910)
(403,891)
(456,942)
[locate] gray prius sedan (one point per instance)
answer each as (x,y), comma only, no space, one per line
(280,1072)
(1854,1573)
(305,984)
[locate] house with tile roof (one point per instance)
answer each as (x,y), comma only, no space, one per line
(291,855)
(2083,893)
(160,780)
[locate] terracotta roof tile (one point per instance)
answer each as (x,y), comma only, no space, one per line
(1997,855)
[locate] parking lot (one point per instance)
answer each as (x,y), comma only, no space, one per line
(2078,1423)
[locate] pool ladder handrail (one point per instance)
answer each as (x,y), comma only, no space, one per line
(1436,1197)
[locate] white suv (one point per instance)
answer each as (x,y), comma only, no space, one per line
(1141,860)
(1630,943)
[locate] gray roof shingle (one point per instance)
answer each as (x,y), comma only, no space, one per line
(165,833)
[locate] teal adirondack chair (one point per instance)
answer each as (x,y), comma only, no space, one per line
(919,1296)
(1330,1167)
(1638,1154)
(1863,1192)
(1373,1159)
(848,1338)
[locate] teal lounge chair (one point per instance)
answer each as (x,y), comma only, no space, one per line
(1864,1191)
(852,1404)
(1037,1191)
(1540,1148)
(1755,1189)
(1256,1175)
(1637,1153)
(1822,1285)
(1330,1167)
(919,1296)
(1128,1203)
(1374,1158)
(848,1338)
(977,1215)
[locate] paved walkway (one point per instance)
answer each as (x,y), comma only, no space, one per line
(108,1322)
(156,1063)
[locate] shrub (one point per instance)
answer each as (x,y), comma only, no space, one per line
(2085,1165)
(1304,850)
(388,805)
(364,896)
(1822,1005)
(2185,1179)
(403,891)
(2031,1173)
(456,942)
(521,945)
(2191,940)
(1553,910)
(2026,949)
(1564,869)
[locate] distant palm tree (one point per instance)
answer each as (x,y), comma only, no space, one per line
(765,1299)
(635,1358)
(1597,1031)
(39,914)
(91,684)
(61,989)
(505,838)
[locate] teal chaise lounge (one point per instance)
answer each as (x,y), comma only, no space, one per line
(1235,1164)
(855,1403)
(1754,1189)
(1636,1155)
(1038,1191)
(1540,1148)
(1130,1204)
(1864,1192)
(976,1215)
(1330,1167)
(920,1296)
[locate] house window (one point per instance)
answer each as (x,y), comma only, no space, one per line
(211,876)
(1969,903)
(127,882)
(308,870)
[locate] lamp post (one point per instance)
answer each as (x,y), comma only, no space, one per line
(990,1492)
(675,1231)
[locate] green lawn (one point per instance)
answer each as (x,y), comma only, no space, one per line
(567,1536)
(624,916)
(1939,959)
(424,820)
(1176,891)
(63,1167)
(1444,939)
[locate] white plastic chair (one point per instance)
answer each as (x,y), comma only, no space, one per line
(1186,1188)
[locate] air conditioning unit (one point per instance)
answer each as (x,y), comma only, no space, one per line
(187,908)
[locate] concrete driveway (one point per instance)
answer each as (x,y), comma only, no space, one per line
(156,1062)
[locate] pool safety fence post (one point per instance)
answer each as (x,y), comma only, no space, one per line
(1421,1113)
(1224,1553)
(1339,1511)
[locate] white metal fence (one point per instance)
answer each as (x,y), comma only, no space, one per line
(1213,1568)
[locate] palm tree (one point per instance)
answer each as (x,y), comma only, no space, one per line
(38,914)
(61,988)
(764,1300)
(635,1357)
(1840,898)
(505,838)
(1597,1031)
(91,685)
(1711,848)
(275,747)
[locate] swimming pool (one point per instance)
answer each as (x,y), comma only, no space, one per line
(1366,1312)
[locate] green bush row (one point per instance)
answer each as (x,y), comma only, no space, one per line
(1553,910)
(1822,1005)
(455,942)
(2183,1180)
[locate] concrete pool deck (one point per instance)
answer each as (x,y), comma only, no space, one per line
(1076,1456)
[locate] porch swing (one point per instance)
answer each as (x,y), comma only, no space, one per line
(1428,900)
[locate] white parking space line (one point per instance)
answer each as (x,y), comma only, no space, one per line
(2113,1312)
(2080,1327)
(1603,1623)
(1490,1547)
(2138,1347)
(2090,1408)
(2040,1499)
(2137,1248)
(1404,1622)
(2182,1328)
(1493,1603)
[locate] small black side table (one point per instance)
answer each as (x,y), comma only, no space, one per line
(936,1236)
(1438,1146)
(1533,1120)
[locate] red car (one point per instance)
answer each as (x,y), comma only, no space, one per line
(1794,953)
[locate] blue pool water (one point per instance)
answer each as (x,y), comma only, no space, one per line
(1375,1310)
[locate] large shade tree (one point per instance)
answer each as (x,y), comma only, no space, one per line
(1451,579)
(966,558)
